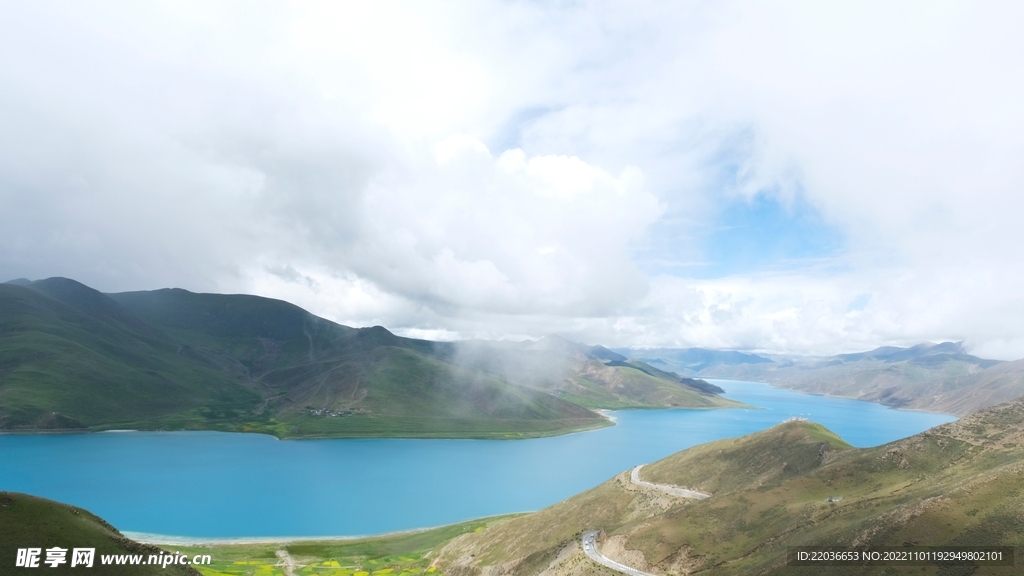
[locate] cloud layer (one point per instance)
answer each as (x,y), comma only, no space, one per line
(512,169)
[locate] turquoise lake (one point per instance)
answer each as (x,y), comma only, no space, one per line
(210,484)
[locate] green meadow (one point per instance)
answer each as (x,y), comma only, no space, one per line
(402,554)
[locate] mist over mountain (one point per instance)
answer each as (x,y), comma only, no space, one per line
(75,358)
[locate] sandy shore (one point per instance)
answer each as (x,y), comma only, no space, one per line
(163,540)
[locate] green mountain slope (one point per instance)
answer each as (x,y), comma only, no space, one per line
(63,366)
(796,484)
(74,358)
(322,379)
(31,522)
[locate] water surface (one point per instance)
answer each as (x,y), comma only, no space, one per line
(211,484)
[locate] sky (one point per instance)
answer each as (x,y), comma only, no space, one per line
(789,177)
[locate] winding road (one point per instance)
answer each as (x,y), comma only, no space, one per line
(590,537)
(590,548)
(679,491)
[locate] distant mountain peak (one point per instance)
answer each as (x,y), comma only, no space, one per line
(554,340)
(917,352)
(695,359)
(944,347)
(90,301)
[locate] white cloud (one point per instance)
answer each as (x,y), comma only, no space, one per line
(489,169)
(510,235)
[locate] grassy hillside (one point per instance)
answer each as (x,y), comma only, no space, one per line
(67,367)
(636,385)
(956,484)
(74,358)
(31,522)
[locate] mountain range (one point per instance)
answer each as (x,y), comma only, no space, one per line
(935,377)
(73,358)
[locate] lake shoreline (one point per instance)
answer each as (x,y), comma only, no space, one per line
(822,395)
(165,540)
(222,488)
(497,435)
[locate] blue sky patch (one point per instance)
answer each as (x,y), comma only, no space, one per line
(745,235)
(761,233)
